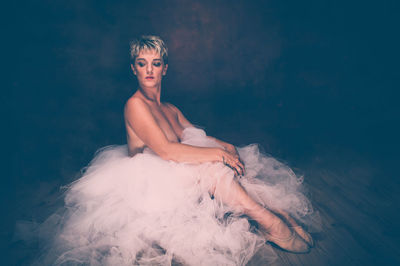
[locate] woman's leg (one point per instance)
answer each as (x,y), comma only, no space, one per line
(231,193)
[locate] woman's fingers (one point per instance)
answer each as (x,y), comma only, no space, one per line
(241,166)
(235,169)
(234,163)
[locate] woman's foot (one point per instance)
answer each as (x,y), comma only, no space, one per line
(280,235)
(297,228)
(303,234)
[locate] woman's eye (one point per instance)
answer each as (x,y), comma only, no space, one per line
(140,64)
(157,64)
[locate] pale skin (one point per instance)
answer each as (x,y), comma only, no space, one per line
(159,126)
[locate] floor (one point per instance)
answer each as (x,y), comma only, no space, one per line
(359,217)
(357,205)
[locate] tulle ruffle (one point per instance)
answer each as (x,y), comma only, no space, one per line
(143,210)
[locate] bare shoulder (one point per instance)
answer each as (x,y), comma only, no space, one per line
(135,104)
(134,101)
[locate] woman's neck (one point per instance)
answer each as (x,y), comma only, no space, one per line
(151,95)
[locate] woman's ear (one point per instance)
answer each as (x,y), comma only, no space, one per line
(133,69)
(165,69)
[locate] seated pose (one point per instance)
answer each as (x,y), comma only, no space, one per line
(174,194)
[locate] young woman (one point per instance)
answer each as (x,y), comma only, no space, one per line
(175,194)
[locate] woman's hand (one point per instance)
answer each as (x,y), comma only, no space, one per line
(232,160)
(231,149)
(230,157)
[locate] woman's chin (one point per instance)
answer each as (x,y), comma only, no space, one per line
(151,83)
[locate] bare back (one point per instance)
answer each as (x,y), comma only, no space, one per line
(167,119)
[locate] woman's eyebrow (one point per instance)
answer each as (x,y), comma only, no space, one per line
(142,59)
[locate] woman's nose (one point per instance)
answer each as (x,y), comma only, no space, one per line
(149,69)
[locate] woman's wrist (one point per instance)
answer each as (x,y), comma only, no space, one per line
(229,148)
(218,153)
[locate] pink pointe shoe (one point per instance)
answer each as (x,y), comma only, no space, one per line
(293,243)
(304,235)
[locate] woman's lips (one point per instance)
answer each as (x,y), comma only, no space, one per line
(149,78)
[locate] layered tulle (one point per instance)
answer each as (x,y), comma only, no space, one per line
(143,210)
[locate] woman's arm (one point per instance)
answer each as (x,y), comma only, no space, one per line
(227,146)
(231,149)
(142,121)
(185,123)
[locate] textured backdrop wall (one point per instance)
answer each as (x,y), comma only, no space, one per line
(301,78)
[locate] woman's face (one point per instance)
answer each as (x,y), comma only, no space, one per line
(149,68)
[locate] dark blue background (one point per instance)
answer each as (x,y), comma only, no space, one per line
(314,82)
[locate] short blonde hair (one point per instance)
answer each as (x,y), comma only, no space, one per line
(149,42)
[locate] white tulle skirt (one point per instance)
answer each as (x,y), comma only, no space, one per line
(143,210)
